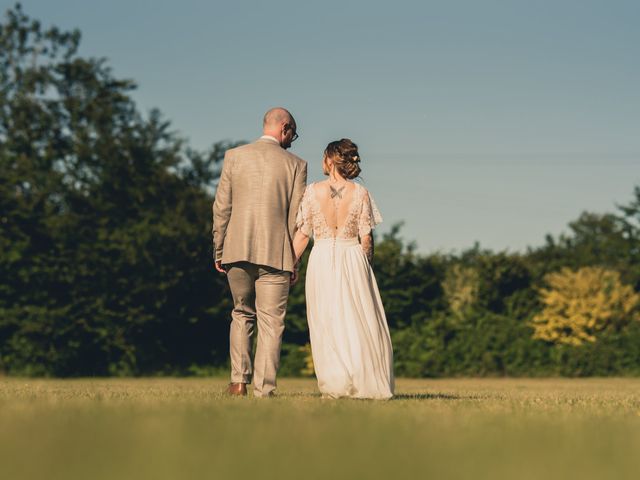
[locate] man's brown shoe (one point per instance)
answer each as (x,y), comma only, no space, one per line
(239,389)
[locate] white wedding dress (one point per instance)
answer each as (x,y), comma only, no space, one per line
(350,342)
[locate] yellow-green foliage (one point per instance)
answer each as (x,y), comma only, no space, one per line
(579,304)
(308,370)
(460,287)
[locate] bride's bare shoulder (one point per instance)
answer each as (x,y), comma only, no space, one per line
(363,190)
(320,186)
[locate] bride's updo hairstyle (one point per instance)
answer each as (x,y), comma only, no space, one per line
(344,155)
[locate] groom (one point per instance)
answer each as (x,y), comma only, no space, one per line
(254,215)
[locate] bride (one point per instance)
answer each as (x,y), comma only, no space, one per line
(350,343)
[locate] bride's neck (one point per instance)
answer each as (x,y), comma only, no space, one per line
(336,177)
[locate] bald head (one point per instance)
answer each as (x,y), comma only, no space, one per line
(276,117)
(280,124)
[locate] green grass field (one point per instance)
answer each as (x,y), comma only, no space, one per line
(440,429)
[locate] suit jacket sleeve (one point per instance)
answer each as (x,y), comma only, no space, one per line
(222,208)
(299,184)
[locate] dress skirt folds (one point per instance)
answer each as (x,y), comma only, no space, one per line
(350,342)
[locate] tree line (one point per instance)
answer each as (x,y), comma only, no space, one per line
(105,252)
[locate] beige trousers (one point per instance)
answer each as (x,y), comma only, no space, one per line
(259,292)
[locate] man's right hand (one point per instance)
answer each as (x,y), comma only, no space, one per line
(220,268)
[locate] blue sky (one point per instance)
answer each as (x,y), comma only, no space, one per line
(492,121)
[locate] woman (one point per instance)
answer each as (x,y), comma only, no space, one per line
(350,342)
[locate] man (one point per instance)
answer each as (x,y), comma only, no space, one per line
(254,214)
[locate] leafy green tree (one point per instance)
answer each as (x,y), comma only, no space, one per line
(105,221)
(594,239)
(410,285)
(500,276)
(630,233)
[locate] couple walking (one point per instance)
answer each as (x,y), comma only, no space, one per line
(263,218)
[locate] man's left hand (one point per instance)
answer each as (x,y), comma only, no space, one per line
(220,268)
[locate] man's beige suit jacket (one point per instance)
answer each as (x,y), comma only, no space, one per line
(256,203)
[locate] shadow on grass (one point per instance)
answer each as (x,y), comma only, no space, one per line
(400,396)
(431,396)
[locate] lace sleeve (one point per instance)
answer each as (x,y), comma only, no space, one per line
(369,215)
(304,220)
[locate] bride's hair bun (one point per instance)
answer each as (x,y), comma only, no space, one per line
(345,156)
